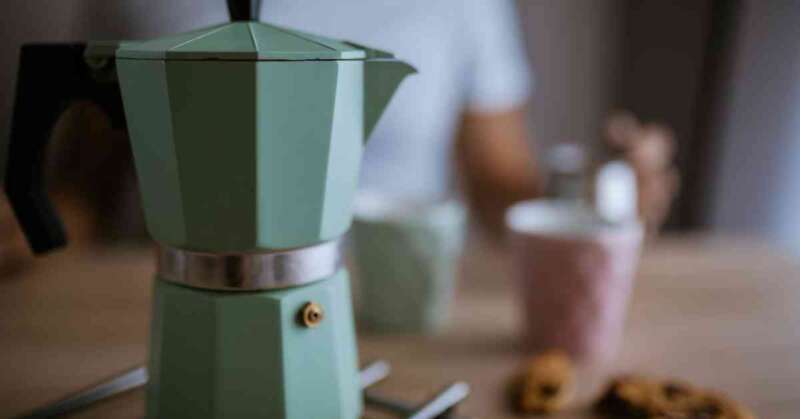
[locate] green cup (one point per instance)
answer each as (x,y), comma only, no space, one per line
(406,258)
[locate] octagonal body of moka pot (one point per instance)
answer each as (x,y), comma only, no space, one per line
(240,147)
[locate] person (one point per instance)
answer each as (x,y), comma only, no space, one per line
(463,113)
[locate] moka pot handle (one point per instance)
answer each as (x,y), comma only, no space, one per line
(244,10)
(50,77)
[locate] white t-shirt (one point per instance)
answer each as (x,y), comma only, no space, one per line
(469,54)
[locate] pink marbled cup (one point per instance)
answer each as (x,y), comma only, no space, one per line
(575,275)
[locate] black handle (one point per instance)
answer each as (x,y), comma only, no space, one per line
(50,77)
(244,9)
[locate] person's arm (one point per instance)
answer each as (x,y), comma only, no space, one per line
(493,153)
(496,164)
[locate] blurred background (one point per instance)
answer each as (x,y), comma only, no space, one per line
(515,99)
(722,75)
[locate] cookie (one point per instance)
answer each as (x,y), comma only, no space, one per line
(632,397)
(545,385)
(711,404)
(629,397)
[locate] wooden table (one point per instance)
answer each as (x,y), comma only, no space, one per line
(723,313)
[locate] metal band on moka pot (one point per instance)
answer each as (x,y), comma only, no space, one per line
(250,271)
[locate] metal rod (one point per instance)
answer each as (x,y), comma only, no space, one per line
(373,373)
(129,380)
(438,406)
(443,402)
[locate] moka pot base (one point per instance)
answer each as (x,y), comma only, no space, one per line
(269,335)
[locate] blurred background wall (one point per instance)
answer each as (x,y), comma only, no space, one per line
(575,48)
(757,177)
(723,74)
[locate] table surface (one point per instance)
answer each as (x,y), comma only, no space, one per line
(720,312)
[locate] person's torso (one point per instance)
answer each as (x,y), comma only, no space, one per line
(410,150)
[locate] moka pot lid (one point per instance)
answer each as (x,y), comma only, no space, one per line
(246,39)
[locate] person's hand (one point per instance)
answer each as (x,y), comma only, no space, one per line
(650,150)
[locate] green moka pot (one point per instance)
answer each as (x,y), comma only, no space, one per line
(248,136)
(247,140)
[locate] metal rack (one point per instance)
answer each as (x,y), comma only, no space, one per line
(441,406)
